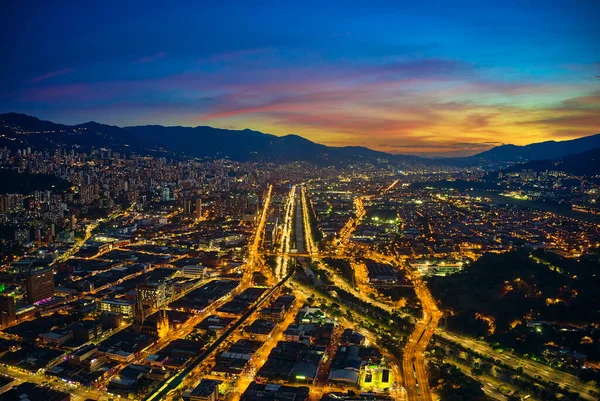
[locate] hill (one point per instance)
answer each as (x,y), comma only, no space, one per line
(499,293)
(18,131)
(248,145)
(581,164)
(538,151)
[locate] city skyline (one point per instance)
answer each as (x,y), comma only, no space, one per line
(401,78)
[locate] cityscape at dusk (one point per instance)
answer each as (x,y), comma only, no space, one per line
(314,201)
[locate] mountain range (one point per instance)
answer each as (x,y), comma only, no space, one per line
(548,150)
(19,130)
(581,164)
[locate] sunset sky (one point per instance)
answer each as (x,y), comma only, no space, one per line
(413,77)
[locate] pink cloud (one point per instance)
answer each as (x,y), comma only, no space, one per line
(51,74)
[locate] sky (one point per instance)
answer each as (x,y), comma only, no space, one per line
(434,78)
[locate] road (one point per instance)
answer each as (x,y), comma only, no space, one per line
(348,229)
(530,367)
(416,381)
(88,234)
(414,362)
(258,234)
(282,262)
(308,237)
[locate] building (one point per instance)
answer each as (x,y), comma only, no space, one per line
(231,205)
(22,235)
(271,392)
(56,338)
(123,307)
(198,210)
(188,206)
(86,330)
(8,313)
(111,320)
(207,390)
(156,324)
(39,285)
(345,367)
(165,194)
(29,392)
(153,295)
(194,271)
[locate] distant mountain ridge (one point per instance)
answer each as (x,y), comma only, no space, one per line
(202,141)
(580,164)
(249,145)
(539,151)
(48,135)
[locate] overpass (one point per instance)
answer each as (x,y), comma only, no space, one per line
(299,255)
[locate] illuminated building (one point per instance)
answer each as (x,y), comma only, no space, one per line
(156,325)
(153,295)
(198,208)
(121,306)
(7,310)
(187,206)
(39,285)
(194,271)
(207,390)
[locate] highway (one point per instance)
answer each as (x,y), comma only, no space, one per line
(416,381)
(283,260)
(310,245)
(258,234)
(350,226)
(530,367)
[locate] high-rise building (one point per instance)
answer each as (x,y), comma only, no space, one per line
(198,208)
(39,285)
(165,194)
(187,206)
(231,205)
(7,310)
(22,235)
(38,236)
(153,295)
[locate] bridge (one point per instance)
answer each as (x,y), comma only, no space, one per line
(299,255)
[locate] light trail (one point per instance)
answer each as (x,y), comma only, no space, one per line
(308,238)
(253,251)
(285,243)
(416,382)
